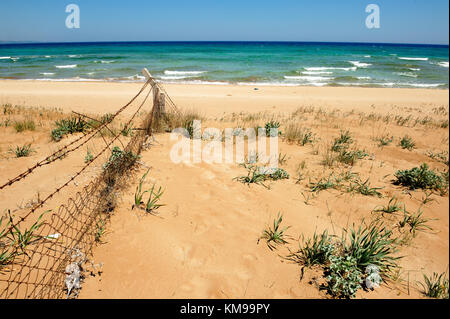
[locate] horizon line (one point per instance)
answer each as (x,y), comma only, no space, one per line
(218,41)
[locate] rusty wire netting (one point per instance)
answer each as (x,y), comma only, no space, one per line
(66,235)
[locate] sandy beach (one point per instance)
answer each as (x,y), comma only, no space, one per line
(204,242)
(216,100)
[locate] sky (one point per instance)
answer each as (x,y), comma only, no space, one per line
(401,21)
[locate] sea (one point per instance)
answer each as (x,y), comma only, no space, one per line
(241,63)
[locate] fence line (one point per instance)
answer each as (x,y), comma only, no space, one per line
(43,265)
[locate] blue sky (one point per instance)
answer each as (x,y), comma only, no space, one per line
(402,21)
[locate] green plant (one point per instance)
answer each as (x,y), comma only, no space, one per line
(343,277)
(415,221)
(371,244)
(282,159)
(384,140)
(69,126)
(276,235)
(422,177)
(6,254)
(272,125)
(153,199)
(118,157)
(25,125)
(324,184)
(294,133)
(23,151)
(126,130)
(316,250)
(436,286)
(364,188)
(23,239)
(139,194)
(89,157)
(253,176)
(407,143)
(342,142)
(100,231)
(393,206)
(350,157)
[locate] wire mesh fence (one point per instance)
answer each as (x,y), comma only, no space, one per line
(42,249)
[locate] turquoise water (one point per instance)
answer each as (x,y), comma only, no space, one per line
(244,63)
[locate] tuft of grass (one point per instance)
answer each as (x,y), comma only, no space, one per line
(436,286)
(407,143)
(23,151)
(422,178)
(117,156)
(342,142)
(69,126)
(258,175)
(154,197)
(324,184)
(415,222)
(350,157)
(272,125)
(294,133)
(392,207)
(276,235)
(254,176)
(139,194)
(89,157)
(25,238)
(24,125)
(371,244)
(364,188)
(100,231)
(315,251)
(384,140)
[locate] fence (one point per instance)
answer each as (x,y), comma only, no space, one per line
(41,251)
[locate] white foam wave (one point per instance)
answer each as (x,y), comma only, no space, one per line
(407,74)
(414,69)
(167,72)
(70,66)
(443,64)
(413,59)
(307,78)
(5,57)
(330,68)
(360,64)
(47,73)
(316,72)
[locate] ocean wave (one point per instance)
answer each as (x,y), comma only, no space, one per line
(363,77)
(308,78)
(47,73)
(407,74)
(316,72)
(70,66)
(423,85)
(443,64)
(175,77)
(5,57)
(324,68)
(360,64)
(414,69)
(413,59)
(168,72)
